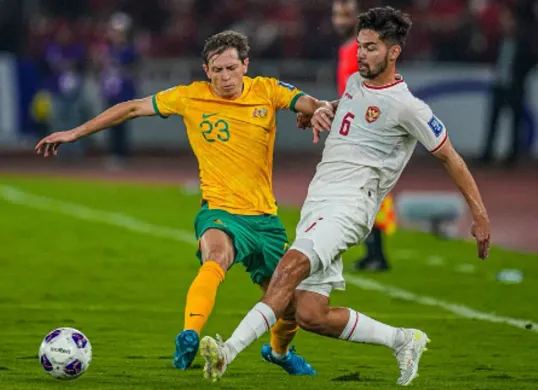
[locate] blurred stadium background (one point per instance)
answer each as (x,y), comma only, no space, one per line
(461,56)
(55,73)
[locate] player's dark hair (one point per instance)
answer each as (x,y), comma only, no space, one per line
(218,43)
(392,25)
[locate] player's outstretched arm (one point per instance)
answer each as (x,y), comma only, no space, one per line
(304,121)
(307,106)
(463,178)
(113,116)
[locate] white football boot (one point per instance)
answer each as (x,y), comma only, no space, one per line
(215,361)
(409,353)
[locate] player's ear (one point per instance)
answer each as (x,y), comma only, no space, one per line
(206,70)
(394,52)
(245,64)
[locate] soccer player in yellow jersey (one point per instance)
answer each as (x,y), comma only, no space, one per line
(230,123)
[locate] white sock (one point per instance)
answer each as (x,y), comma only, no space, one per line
(362,329)
(279,356)
(258,321)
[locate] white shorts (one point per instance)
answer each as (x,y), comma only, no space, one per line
(326,230)
(321,289)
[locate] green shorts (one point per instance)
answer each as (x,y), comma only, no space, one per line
(260,241)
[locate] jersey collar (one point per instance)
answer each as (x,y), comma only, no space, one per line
(399,79)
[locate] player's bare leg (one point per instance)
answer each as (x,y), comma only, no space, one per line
(217,256)
(315,315)
(278,351)
(285,329)
(291,270)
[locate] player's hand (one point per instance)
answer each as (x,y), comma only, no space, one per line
(303,121)
(321,120)
(50,144)
(480,231)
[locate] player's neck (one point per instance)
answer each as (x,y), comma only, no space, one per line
(384,79)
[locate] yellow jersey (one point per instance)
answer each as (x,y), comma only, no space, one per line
(233,140)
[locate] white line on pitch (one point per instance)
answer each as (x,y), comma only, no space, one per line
(460,310)
(16,196)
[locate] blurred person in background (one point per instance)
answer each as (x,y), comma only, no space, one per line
(344,17)
(116,61)
(449,25)
(516,58)
(64,61)
(40,28)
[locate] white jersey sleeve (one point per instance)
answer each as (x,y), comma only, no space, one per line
(419,121)
(353,79)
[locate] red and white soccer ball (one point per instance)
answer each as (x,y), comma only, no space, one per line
(65,353)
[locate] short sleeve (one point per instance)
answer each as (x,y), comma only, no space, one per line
(283,95)
(170,101)
(419,121)
(353,79)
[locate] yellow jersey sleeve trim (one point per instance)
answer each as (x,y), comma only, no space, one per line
(156,108)
(294,101)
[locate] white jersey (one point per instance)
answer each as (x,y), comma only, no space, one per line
(373,135)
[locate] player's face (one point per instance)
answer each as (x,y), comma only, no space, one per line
(373,54)
(344,17)
(226,73)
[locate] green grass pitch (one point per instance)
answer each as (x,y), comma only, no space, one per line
(126,291)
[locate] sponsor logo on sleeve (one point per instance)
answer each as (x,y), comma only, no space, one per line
(436,125)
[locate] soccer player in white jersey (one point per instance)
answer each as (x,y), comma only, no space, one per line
(374,132)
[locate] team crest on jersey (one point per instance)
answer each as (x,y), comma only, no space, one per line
(259,113)
(372,114)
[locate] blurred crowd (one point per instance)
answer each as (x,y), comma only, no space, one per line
(107,38)
(446,30)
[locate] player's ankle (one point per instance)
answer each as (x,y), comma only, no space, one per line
(279,356)
(399,338)
(229,352)
(191,330)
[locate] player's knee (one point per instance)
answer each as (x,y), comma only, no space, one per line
(220,256)
(310,318)
(217,246)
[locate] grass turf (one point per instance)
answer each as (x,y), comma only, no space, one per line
(126,291)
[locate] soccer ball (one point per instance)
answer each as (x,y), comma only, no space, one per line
(65,353)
